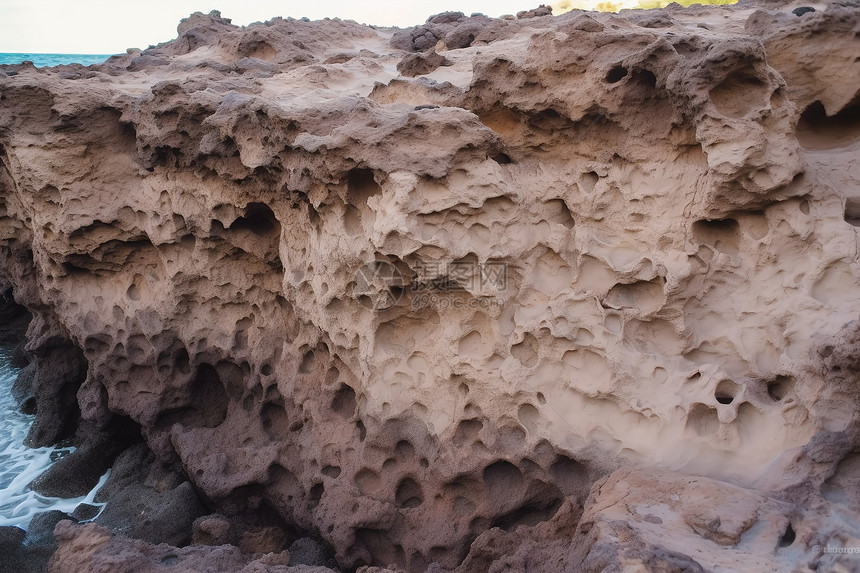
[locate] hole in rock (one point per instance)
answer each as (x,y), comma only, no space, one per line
(589,181)
(259,219)
(275,422)
(361,186)
(404,449)
(467,432)
(29,406)
(502,159)
(646,296)
(852,211)
(207,403)
(726,392)
(755,225)
(526,351)
(740,93)
(703,420)
(306,364)
(316,494)
(616,74)
(258,48)
(133,292)
(331,471)
(817,130)
(383,552)
(408,494)
(344,401)
(367,481)
(233,377)
(549,120)
(352,221)
(502,479)
(528,514)
(209,399)
(644,78)
(182,362)
(724,235)
(788,537)
(559,212)
(529,417)
(778,388)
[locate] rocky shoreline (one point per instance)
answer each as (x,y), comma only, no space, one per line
(540,293)
(154,511)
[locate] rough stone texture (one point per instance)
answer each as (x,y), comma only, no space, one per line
(86,548)
(13,557)
(78,473)
(30,551)
(14,319)
(265,242)
(148,501)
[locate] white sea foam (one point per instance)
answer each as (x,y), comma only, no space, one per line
(20,465)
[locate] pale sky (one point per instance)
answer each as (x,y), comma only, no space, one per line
(111,26)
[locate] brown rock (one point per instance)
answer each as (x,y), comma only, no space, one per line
(420,319)
(84,548)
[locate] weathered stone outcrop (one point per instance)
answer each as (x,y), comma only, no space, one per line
(439,298)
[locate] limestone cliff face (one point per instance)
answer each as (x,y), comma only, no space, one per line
(417,291)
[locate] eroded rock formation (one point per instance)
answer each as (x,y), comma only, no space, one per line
(442,297)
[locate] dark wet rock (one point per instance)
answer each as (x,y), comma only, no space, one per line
(147,500)
(29,551)
(14,318)
(22,388)
(78,473)
(309,551)
(40,532)
(59,372)
(85,512)
(13,557)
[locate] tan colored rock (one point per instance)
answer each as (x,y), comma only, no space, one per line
(650,521)
(420,317)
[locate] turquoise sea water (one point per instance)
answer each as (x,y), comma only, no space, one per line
(43,60)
